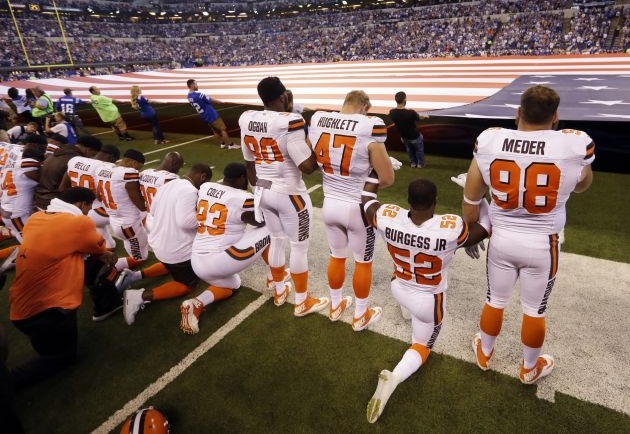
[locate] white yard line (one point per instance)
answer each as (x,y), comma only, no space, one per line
(153,389)
(313,188)
(177,145)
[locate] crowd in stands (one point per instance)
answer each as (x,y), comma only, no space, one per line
(485,28)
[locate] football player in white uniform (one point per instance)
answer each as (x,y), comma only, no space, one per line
(119,189)
(222,248)
(276,154)
(172,228)
(422,244)
(20,175)
(151,180)
(82,173)
(347,146)
(530,172)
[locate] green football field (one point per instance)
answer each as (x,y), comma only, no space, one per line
(256,368)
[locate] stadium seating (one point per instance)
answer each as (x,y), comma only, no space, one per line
(123,34)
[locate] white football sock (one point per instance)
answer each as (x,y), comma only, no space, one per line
(279,287)
(360,306)
(487,343)
(206,297)
(410,363)
(530,356)
(300,297)
(121,264)
(336,295)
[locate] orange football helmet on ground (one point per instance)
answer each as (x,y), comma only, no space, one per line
(146,421)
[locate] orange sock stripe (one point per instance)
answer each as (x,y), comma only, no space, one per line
(553,253)
(133,263)
(220,293)
(422,350)
(277,273)
(301,281)
(491,320)
(533,331)
(438,308)
(362,279)
(170,290)
(155,270)
(336,272)
(4,253)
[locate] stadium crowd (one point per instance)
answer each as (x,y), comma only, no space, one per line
(453,29)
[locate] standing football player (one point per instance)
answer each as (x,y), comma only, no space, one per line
(276,154)
(530,172)
(347,146)
(203,105)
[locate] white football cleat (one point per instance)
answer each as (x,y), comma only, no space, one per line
(191,311)
(370,316)
(543,367)
(234,146)
(387,383)
(126,278)
(335,314)
(132,303)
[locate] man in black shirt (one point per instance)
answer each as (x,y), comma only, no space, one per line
(405,121)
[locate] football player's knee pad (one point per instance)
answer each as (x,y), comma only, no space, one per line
(299,256)
(277,255)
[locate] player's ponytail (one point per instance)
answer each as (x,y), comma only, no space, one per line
(135,93)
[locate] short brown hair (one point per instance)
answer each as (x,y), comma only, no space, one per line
(357,98)
(538,104)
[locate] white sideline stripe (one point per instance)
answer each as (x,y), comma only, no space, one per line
(313,188)
(177,145)
(151,162)
(153,389)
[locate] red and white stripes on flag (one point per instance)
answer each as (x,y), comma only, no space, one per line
(430,84)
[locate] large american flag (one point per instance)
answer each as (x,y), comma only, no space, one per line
(430,84)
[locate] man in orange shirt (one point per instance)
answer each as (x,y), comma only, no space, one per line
(48,286)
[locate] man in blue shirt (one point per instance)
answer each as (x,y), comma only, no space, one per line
(67,105)
(203,105)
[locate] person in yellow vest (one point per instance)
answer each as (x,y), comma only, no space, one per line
(109,113)
(42,107)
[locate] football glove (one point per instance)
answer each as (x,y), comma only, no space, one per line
(459,179)
(395,163)
(473,251)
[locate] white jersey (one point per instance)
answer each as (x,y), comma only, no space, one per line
(276,142)
(150,181)
(111,186)
(531,175)
(17,188)
(173,221)
(4,153)
(422,253)
(340,142)
(82,172)
(219,211)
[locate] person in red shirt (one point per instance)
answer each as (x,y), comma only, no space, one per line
(48,286)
